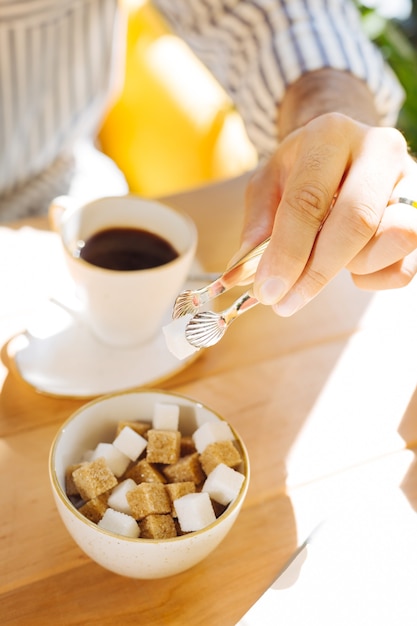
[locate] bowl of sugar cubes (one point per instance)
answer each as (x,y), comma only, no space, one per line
(148,483)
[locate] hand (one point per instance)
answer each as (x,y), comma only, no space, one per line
(327,198)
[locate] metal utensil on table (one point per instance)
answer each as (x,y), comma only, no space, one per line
(191,300)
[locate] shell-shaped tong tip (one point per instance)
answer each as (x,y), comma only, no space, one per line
(187,303)
(205,329)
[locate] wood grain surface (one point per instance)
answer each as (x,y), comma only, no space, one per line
(326,403)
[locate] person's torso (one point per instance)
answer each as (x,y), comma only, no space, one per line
(55,64)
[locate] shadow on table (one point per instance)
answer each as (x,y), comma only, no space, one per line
(217,591)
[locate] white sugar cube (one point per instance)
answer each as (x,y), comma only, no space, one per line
(130,443)
(175,338)
(119,523)
(117,499)
(116,460)
(194,511)
(210,432)
(223,484)
(166,416)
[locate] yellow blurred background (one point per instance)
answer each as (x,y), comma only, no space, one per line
(172,127)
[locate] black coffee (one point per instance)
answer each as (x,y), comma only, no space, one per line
(127,249)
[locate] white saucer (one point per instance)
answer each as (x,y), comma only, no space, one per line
(58,355)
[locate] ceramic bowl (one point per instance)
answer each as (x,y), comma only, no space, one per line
(141,558)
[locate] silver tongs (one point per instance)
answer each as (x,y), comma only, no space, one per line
(206,328)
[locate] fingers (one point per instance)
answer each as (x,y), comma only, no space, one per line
(310,243)
(397,275)
(317,168)
(263,194)
(395,238)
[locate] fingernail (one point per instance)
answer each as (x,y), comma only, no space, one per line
(289,305)
(271,290)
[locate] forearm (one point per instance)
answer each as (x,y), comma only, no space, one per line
(325,91)
(285,43)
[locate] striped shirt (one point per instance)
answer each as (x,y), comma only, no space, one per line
(57,62)
(257,49)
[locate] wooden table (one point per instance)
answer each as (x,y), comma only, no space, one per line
(326,402)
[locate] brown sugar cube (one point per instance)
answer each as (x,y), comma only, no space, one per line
(144,472)
(139,427)
(148,499)
(176,490)
(187,446)
(163,446)
(219,452)
(70,487)
(95,508)
(94,478)
(157,527)
(188,468)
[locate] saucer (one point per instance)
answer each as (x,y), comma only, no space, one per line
(58,355)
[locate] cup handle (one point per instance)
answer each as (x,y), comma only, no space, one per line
(57,208)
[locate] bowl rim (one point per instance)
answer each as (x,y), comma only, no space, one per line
(60,492)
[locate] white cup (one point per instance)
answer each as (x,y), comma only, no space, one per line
(124,308)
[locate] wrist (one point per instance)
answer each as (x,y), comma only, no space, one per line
(325,91)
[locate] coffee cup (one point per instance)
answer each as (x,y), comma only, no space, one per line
(128,257)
